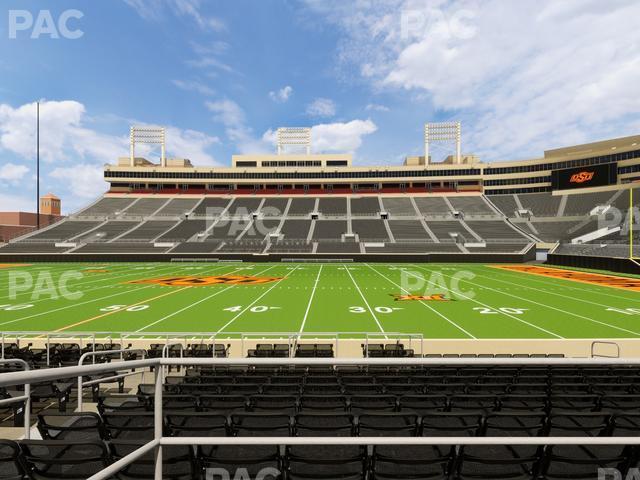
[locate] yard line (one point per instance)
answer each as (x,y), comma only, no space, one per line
(313,292)
(110,278)
(488,306)
(192,305)
(72,306)
(423,303)
(554,308)
(147,300)
(545,291)
(513,274)
(256,300)
(365,301)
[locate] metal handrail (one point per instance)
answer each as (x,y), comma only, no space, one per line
(81,383)
(26,398)
(159,441)
(165,350)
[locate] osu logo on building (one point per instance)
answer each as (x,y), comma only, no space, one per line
(436,297)
(581,177)
(198,281)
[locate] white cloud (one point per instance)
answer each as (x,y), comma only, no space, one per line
(321,107)
(194,86)
(153,10)
(341,137)
(85,179)
(232,116)
(376,107)
(11,172)
(333,137)
(281,95)
(523,76)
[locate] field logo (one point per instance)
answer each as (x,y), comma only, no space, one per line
(436,297)
(582,177)
(203,281)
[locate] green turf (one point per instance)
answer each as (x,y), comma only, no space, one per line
(315,298)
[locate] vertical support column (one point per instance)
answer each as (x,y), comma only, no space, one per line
(458,154)
(132,147)
(157,422)
(426,144)
(631,222)
(163,159)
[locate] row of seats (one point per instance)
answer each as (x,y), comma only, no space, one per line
(62,460)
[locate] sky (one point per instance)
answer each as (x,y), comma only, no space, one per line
(222,75)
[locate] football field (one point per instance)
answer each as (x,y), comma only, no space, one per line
(438,301)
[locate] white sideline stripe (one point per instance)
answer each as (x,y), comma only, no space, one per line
(425,304)
(189,306)
(254,302)
(313,292)
(77,304)
(572,285)
(489,306)
(559,309)
(365,301)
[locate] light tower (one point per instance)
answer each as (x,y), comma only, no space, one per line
(442,132)
(147,135)
(300,136)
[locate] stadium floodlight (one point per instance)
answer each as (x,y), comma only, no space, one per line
(147,135)
(441,132)
(300,136)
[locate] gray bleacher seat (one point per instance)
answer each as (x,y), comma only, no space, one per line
(583,203)
(197,247)
(295,229)
(145,206)
(149,230)
(244,206)
(432,206)
(64,230)
(398,207)
(106,206)
(408,229)
(365,206)
(541,204)
(211,207)
(552,231)
(474,205)
(329,229)
(274,206)
(338,247)
(302,206)
(260,228)
(495,229)
(506,204)
(107,231)
(177,207)
(29,247)
(442,228)
(413,247)
(120,248)
(184,231)
(370,230)
(333,206)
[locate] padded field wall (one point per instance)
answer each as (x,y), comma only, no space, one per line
(622,265)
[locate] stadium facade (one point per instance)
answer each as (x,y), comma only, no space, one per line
(573,203)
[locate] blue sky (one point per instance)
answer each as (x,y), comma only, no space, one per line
(223,75)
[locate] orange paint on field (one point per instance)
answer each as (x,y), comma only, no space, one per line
(601,279)
(13,265)
(200,281)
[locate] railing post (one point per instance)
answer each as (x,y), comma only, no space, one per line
(27,410)
(157,412)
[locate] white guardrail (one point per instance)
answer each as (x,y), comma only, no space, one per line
(31,376)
